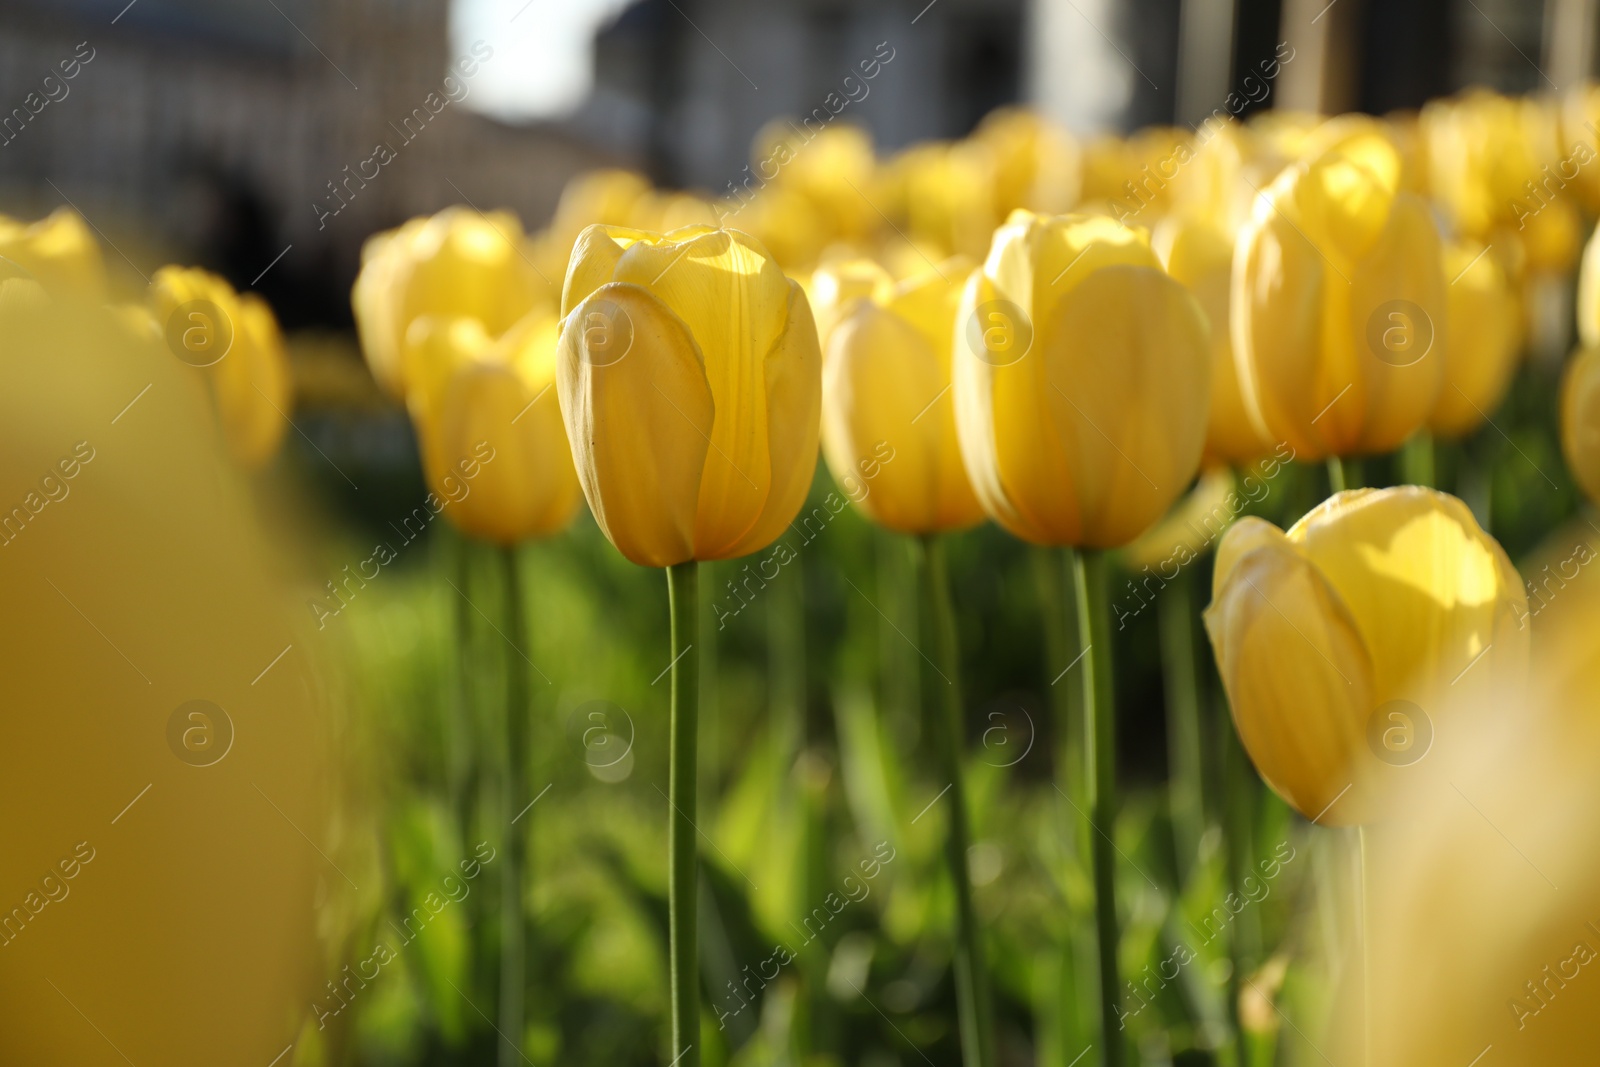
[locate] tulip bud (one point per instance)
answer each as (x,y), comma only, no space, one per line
(888,429)
(1382,610)
(236,343)
(1481,344)
(1199,255)
(690,383)
(1339,300)
(1081,379)
(456,263)
(59,252)
(493,445)
(1580,420)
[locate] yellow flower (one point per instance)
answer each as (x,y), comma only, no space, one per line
(1199,254)
(1386,603)
(1038,164)
(1339,307)
(1588,298)
(59,252)
(888,430)
(236,343)
(1081,381)
(493,445)
(837,285)
(1481,344)
(456,263)
(690,381)
(1580,420)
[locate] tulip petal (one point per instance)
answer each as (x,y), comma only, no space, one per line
(793,404)
(733,299)
(1432,595)
(640,425)
(1297,675)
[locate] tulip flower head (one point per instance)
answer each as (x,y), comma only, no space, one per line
(1481,344)
(58,252)
(1199,254)
(456,263)
(690,382)
(888,429)
(1348,644)
(1580,420)
(1081,377)
(493,444)
(1339,310)
(236,342)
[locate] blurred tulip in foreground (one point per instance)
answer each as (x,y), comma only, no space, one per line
(1081,381)
(885,411)
(1380,606)
(1339,310)
(59,252)
(690,382)
(236,342)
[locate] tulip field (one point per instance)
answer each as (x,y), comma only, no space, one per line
(1019,600)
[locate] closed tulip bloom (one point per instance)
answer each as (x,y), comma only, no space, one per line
(888,430)
(237,345)
(690,382)
(1199,254)
(59,252)
(456,263)
(1081,378)
(1580,420)
(1482,342)
(1588,298)
(838,285)
(1339,310)
(1379,602)
(493,445)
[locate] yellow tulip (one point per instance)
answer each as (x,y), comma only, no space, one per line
(1199,254)
(59,252)
(1081,379)
(456,263)
(1038,165)
(1339,309)
(493,445)
(690,382)
(236,342)
(1580,420)
(1386,604)
(837,285)
(888,430)
(945,193)
(1481,344)
(1588,298)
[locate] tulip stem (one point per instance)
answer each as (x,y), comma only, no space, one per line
(1094,624)
(972,986)
(513,922)
(1336,475)
(683,860)
(1180,679)
(1366,947)
(1417,460)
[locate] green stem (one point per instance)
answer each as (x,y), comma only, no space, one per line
(1238,844)
(972,985)
(1181,685)
(683,860)
(1417,460)
(513,934)
(1100,745)
(1336,478)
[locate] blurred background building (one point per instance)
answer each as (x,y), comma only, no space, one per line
(233,129)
